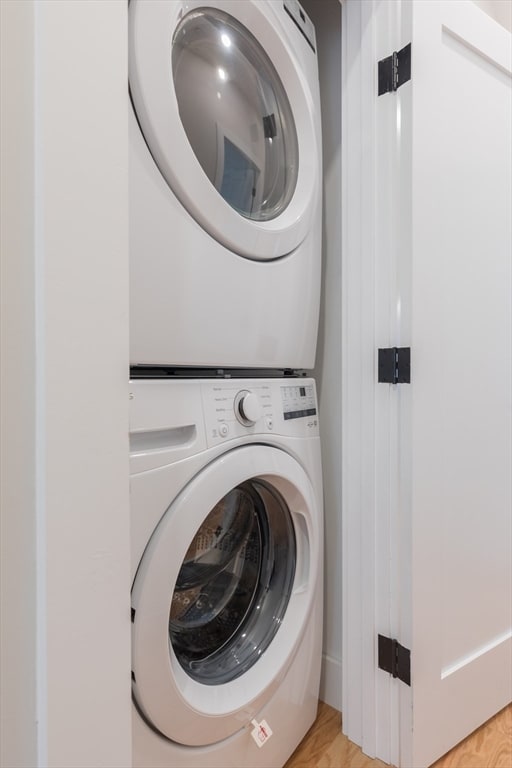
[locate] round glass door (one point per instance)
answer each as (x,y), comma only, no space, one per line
(229,119)
(235,113)
(234,584)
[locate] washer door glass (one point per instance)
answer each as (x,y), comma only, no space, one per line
(234,584)
(235,113)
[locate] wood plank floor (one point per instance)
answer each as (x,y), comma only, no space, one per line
(325,747)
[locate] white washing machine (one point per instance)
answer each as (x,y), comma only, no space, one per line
(226,512)
(225,184)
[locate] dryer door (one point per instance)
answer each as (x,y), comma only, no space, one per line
(222,594)
(228,122)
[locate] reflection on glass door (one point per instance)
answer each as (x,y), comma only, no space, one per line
(234,584)
(239,179)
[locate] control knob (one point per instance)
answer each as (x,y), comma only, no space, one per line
(248,408)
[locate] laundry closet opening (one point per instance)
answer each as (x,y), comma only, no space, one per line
(326,16)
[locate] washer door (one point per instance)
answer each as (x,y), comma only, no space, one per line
(222,594)
(228,122)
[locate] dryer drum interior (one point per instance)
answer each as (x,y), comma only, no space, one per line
(234,584)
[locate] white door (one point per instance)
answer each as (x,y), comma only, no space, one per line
(441,482)
(457,421)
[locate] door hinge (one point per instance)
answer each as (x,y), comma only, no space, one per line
(395,659)
(395,70)
(395,365)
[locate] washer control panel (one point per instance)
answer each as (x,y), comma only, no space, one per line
(237,408)
(299,401)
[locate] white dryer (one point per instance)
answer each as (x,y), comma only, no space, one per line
(225,184)
(226,495)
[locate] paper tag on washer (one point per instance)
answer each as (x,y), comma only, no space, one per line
(261,732)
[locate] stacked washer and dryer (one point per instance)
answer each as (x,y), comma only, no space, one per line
(225,470)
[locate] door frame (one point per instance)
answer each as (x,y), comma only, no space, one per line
(64,527)
(374,706)
(358,343)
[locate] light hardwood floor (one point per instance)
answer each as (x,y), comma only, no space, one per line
(325,747)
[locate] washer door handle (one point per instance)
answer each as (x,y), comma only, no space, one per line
(303,565)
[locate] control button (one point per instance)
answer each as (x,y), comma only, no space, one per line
(270,423)
(223,430)
(247,408)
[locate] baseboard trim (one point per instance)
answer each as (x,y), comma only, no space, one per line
(331,682)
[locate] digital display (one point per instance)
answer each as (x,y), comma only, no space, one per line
(298,402)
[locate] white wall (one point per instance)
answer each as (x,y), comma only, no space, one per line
(65,663)
(18,738)
(327,19)
(500,10)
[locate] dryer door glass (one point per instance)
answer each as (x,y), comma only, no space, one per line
(234,584)
(235,113)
